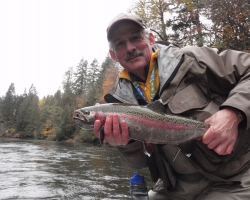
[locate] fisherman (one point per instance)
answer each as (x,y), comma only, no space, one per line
(195,82)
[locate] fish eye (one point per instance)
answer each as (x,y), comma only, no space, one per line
(86,112)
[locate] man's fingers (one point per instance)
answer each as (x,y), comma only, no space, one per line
(229,148)
(116,133)
(208,137)
(108,130)
(213,144)
(97,127)
(220,144)
(223,149)
(125,133)
(116,130)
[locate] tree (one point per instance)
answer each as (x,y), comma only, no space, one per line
(153,12)
(67,127)
(50,118)
(1,115)
(58,98)
(94,88)
(68,88)
(108,76)
(8,106)
(177,21)
(230,23)
(186,23)
(27,120)
(223,24)
(81,82)
(94,71)
(80,77)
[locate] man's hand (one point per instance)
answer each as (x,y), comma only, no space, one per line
(115,133)
(223,131)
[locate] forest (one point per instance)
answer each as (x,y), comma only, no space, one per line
(223,24)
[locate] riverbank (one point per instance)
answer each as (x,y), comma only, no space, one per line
(11,133)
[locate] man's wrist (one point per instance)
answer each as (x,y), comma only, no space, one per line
(237,112)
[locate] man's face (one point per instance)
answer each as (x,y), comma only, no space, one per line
(131,48)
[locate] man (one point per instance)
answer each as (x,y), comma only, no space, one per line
(192,82)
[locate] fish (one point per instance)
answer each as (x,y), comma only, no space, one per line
(145,123)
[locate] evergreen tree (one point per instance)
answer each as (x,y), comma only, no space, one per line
(68,88)
(8,106)
(50,117)
(95,71)
(1,115)
(27,120)
(80,77)
(94,88)
(186,24)
(81,82)
(58,98)
(67,127)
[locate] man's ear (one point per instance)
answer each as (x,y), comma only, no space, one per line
(113,56)
(152,39)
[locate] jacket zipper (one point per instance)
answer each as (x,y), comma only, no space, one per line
(173,74)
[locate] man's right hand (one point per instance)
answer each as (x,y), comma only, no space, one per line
(115,132)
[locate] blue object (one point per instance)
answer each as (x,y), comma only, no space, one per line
(138,187)
(136,179)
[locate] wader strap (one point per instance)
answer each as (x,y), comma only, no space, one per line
(161,169)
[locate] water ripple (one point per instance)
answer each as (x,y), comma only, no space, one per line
(33,169)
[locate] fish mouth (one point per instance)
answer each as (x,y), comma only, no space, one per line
(83,123)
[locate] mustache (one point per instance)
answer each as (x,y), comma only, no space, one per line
(133,54)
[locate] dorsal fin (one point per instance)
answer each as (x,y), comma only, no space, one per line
(157,106)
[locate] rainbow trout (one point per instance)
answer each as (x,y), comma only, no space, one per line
(145,123)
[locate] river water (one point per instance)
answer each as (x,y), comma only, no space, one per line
(34,169)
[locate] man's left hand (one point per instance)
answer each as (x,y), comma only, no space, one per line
(223,131)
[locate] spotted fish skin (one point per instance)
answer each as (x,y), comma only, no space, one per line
(146,123)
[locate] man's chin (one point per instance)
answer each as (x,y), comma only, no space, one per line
(136,65)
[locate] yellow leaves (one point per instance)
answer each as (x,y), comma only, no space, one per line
(110,77)
(79,102)
(41,102)
(47,129)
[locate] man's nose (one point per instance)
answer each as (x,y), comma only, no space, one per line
(130,46)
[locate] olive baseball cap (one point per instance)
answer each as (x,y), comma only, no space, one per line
(121,17)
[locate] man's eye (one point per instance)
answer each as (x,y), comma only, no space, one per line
(119,44)
(136,38)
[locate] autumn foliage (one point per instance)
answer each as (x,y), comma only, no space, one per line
(47,129)
(110,78)
(224,24)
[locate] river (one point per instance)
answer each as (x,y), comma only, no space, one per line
(36,169)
